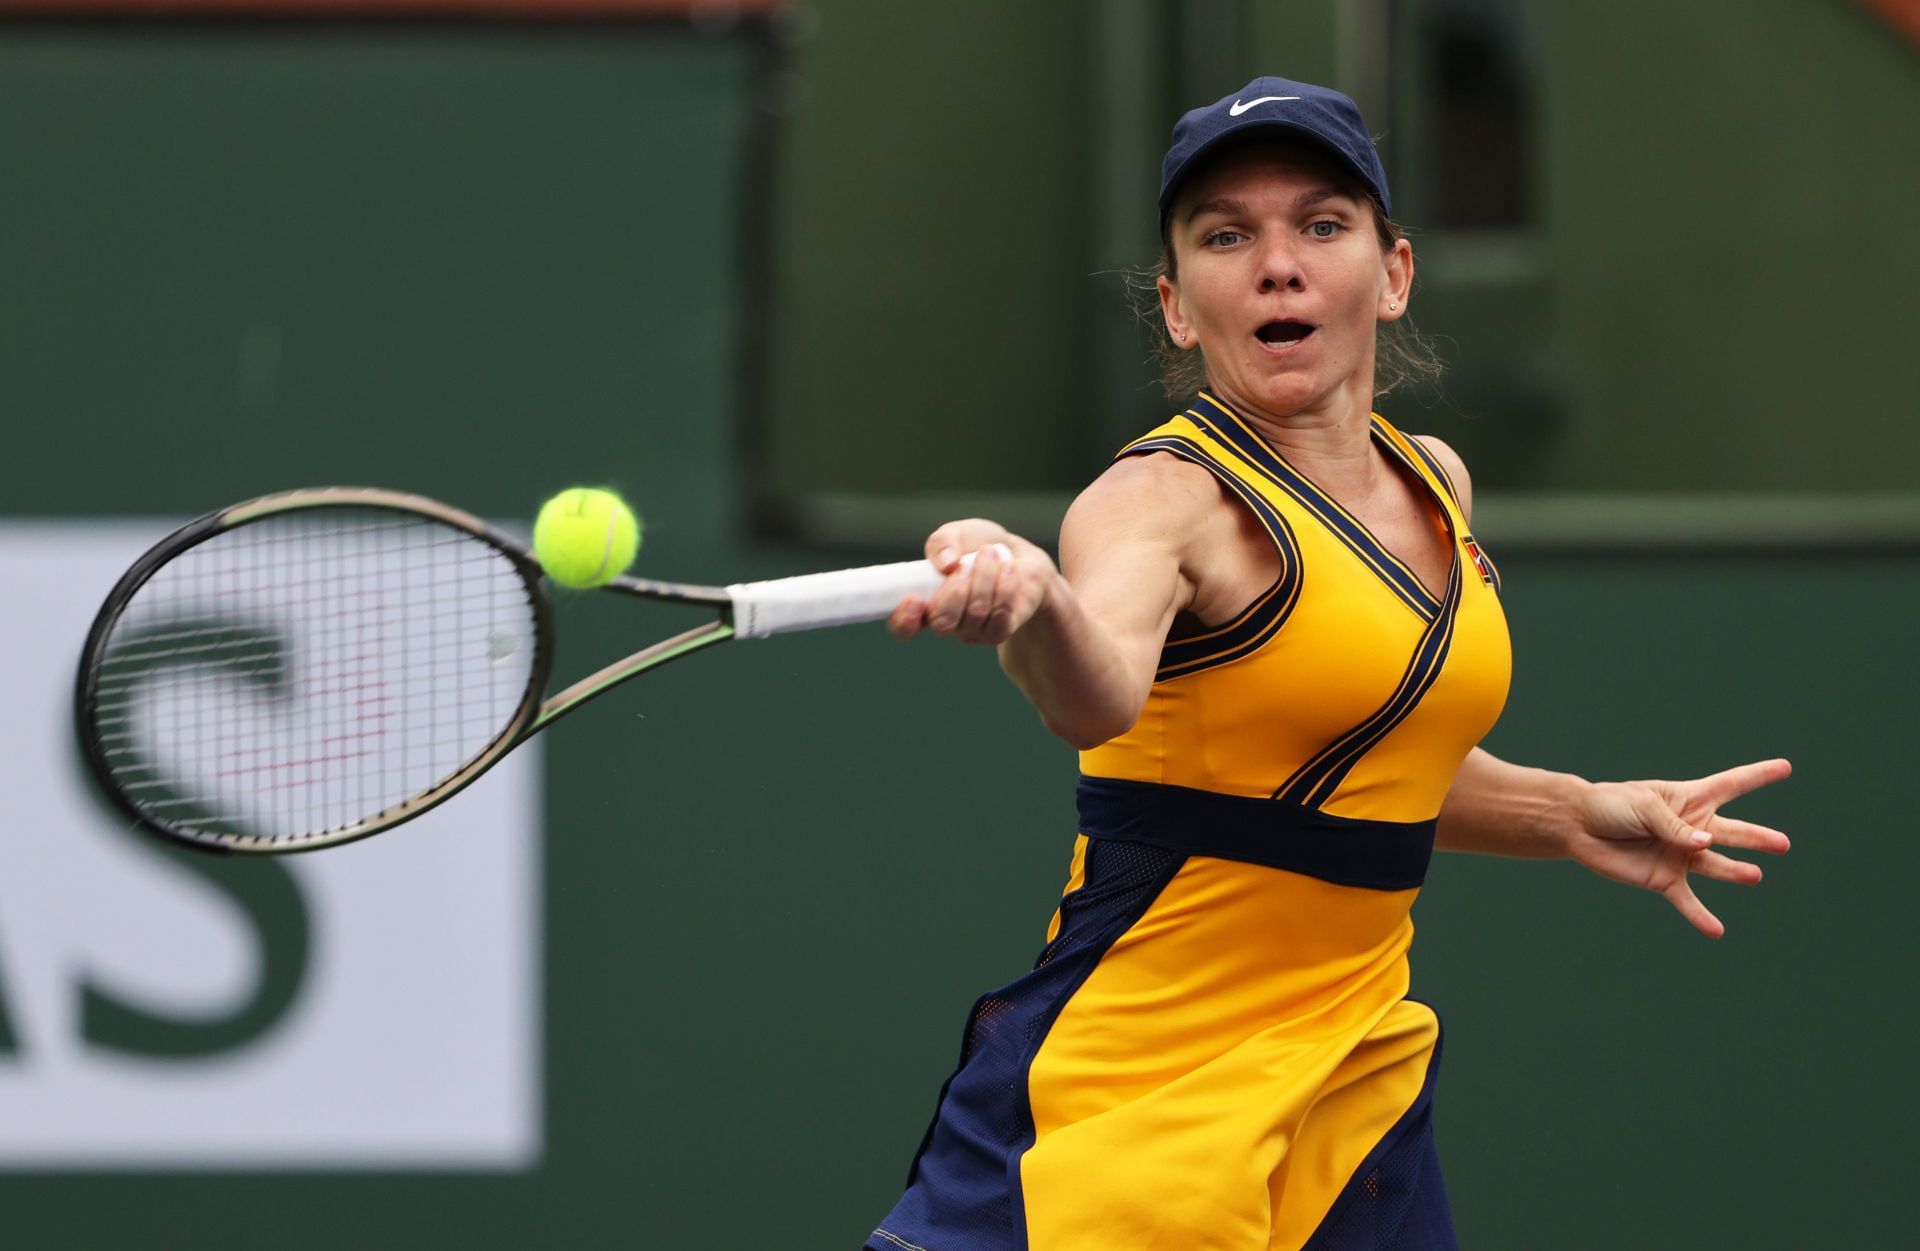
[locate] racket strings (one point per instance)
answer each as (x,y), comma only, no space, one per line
(310,671)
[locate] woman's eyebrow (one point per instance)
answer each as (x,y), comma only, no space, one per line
(1317,194)
(1224,206)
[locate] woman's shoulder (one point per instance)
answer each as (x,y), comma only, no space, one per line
(1151,491)
(1452,468)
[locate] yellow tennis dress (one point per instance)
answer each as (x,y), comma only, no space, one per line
(1215,1048)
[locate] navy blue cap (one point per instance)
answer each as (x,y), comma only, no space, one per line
(1318,114)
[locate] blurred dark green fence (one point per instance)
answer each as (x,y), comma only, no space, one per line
(776,876)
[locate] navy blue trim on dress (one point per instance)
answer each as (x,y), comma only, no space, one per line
(1424,1218)
(1226,427)
(1433,463)
(964,1187)
(1315,781)
(1261,620)
(1376,855)
(1490,572)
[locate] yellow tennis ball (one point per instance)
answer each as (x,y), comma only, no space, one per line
(585,537)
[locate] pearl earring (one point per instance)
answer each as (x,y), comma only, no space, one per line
(1393,306)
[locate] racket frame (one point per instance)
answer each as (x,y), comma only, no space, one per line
(531,715)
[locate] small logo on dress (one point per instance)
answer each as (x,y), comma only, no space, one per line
(1480,561)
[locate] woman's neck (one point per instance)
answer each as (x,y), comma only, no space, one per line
(1330,443)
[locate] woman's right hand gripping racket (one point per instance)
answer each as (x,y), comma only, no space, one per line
(312,667)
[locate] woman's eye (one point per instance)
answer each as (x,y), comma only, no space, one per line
(1223,238)
(1325,228)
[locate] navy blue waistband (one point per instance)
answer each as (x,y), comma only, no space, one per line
(1379,855)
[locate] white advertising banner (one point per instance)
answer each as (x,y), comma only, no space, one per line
(370,1006)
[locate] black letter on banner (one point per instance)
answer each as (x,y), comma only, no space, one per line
(9,1041)
(264,890)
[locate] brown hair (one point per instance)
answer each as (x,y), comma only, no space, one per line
(1402,354)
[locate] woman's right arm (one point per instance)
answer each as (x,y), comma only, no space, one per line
(1081,641)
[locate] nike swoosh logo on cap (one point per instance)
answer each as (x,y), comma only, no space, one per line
(1239,108)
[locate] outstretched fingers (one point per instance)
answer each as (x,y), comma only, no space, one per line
(1681,896)
(1724,868)
(1728,784)
(1728,832)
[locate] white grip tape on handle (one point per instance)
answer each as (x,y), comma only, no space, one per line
(813,601)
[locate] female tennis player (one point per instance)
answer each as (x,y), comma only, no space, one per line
(1276,645)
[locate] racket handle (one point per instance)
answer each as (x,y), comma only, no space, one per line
(815,600)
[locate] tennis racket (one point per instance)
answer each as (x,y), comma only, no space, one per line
(312,667)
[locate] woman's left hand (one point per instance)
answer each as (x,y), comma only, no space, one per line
(1654,834)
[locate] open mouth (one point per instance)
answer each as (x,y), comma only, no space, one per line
(1282,333)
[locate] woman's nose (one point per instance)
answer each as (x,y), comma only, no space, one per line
(1279,267)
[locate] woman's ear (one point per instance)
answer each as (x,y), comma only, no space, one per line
(1399,285)
(1177,328)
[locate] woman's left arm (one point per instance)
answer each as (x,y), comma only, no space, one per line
(1648,834)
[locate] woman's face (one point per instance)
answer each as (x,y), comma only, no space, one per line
(1281,280)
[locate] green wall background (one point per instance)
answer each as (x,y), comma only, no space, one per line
(1729,190)
(777,877)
